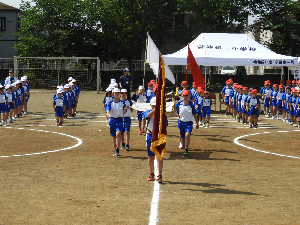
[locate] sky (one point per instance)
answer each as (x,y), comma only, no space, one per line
(14,3)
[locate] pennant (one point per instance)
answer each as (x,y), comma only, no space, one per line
(152,58)
(159,131)
(196,72)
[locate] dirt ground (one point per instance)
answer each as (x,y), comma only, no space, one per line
(67,175)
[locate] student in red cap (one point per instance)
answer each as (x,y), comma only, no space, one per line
(266,95)
(198,98)
(193,90)
(243,105)
(226,91)
(238,103)
(184,85)
(292,104)
(149,92)
(279,94)
(297,108)
(186,112)
(206,108)
(285,103)
(294,83)
(274,100)
(253,107)
(289,83)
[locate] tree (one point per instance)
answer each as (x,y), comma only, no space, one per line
(284,23)
(56,28)
(109,29)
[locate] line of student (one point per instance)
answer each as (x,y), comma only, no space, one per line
(65,101)
(13,99)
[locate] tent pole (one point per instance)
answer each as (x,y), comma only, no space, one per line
(205,78)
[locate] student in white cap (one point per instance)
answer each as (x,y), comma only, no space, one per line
(149,114)
(15,93)
(66,96)
(107,98)
(11,102)
(126,119)
(77,93)
(3,104)
(20,99)
(115,110)
(59,105)
(25,95)
(141,98)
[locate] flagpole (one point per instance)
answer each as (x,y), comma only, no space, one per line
(205,77)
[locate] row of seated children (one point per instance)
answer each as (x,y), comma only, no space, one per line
(65,101)
(13,100)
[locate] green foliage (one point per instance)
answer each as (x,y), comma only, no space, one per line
(109,29)
(284,22)
(212,16)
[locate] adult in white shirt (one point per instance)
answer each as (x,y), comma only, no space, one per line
(10,79)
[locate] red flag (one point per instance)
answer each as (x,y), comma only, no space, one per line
(196,72)
(159,131)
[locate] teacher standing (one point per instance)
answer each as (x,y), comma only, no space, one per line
(126,82)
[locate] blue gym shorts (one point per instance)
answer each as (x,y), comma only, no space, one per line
(140,115)
(297,113)
(148,143)
(254,111)
(233,105)
(206,111)
(2,107)
(116,124)
(279,104)
(292,111)
(185,127)
(267,102)
(127,123)
(68,105)
(226,100)
(59,111)
(273,102)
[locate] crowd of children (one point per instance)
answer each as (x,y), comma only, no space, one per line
(14,95)
(244,104)
(65,101)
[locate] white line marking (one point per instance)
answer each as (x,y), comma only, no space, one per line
(79,142)
(155,198)
(236,141)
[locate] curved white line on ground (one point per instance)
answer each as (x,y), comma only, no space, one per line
(236,141)
(79,142)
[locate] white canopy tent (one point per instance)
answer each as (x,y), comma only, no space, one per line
(223,49)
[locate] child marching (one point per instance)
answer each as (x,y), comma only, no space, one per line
(206,108)
(253,107)
(126,120)
(186,112)
(115,111)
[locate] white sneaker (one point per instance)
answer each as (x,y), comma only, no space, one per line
(0,124)
(207,125)
(295,125)
(203,124)
(14,118)
(180,145)
(267,115)
(273,117)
